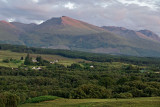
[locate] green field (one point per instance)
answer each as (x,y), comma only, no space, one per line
(14,55)
(134,102)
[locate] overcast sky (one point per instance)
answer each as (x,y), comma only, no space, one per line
(133,14)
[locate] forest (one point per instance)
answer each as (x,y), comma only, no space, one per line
(99,76)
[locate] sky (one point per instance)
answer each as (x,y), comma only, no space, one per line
(132,14)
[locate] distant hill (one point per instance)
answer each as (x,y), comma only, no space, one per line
(131,34)
(150,34)
(67,33)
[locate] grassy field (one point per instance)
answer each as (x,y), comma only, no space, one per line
(8,54)
(134,102)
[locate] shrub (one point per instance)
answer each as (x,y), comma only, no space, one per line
(6,60)
(91,91)
(137,93)
(41,99)
(8,100)
(123,95)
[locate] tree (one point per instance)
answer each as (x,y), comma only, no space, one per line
(122,80)
(22,58)
(39,59)
(28,60)
(8,100)
(106,81)
(91,91)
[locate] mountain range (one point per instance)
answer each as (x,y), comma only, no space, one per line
(67,33)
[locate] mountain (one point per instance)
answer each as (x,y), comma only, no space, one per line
(127,33)
(24,27)
(67,33)
(150,34)
(67,25)
(9,33)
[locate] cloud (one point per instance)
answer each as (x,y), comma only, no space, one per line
(5,1)
(35,1)
(11,19)
(133,14)
(70,5)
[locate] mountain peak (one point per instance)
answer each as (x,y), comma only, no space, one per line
(3,22)
(71,26)
(64,20)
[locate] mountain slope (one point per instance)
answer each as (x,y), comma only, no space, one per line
(9,33)
(67,33)
(24,27)
(150,34)
(67,25)
(137,40)
(127,33)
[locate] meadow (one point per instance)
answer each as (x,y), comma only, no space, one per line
(133,102)
(14,55)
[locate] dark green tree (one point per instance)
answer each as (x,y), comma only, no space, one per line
(22,58)
(28,60)
(106,81)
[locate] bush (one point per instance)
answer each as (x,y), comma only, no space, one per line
(123,95)
(151,91)
(41,99)
(6,60)
(91,91)
(8,100)
(138,93)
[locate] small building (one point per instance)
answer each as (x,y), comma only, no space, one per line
(36,68)
(91,66)
(34,60)
(52,62)
(56,60)
(33,67)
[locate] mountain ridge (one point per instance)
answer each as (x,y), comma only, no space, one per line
(68,33)
(147,34)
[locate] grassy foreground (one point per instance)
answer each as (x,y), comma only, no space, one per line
(134,102)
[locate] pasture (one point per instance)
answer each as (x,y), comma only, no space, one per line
(133,102)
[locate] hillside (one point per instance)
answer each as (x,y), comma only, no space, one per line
(24,27)
(136,39)
(66,25)
(150,34)
(9,33)
(71,34)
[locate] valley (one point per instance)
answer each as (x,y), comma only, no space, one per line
(79,53)
(75,78)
